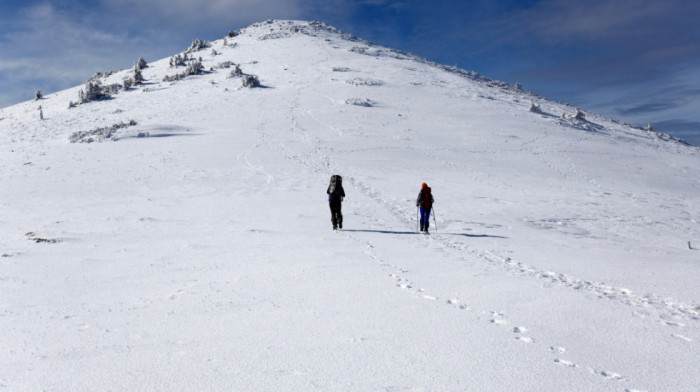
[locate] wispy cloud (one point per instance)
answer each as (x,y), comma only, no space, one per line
(55,45)
(49,48)
(214,12)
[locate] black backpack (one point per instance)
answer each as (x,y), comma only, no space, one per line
(336,184)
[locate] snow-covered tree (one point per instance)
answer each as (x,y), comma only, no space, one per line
(177,60)
(140,64)
(197,45)
(93,91)
(194,68)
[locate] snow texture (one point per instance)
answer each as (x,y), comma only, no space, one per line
(193,249)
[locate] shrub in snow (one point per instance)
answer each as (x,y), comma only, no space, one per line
(138,77)
(358,49)
(92,91)
(275,35)
(232,33)
(251,81)
(579,115)
(177,61)
(197,45)
(364,102)
(140,64)
(534,108)
(649,128)
(225,64)
(100,75)
(38,95)
(174,78)
(194,68)
(341,69)
(364,82)
(98,134)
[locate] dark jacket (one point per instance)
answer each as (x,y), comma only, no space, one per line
(425,198)
(337,195)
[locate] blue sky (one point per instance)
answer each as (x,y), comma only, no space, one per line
(634,60)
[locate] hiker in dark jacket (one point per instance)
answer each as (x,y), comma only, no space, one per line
(336,193)
(425,202)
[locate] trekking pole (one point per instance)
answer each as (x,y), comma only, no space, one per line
(434,218)
(417,218)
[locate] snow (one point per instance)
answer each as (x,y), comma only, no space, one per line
(194,250)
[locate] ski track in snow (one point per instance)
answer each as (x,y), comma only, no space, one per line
(320,162)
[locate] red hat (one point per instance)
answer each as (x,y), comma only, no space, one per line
(423,185)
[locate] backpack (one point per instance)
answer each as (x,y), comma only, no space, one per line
(427,199)
(335,185)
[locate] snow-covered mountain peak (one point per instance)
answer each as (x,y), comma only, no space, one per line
(166,227)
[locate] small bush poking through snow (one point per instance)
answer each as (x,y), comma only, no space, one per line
(138,77)
(177,61)
(236,72)
(247,80)
(197,45)
(194,68)
(251,81)
(364,82)
(98,134)
(94,90)
(364,102)
(535,108)
(140,64)
(225,64)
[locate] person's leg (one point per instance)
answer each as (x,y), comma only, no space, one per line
(424,218)
(334,220)
(339,212)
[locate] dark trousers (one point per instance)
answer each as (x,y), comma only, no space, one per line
(424,217)
(336,214)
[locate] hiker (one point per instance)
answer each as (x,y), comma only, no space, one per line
(425,202)
(335,198)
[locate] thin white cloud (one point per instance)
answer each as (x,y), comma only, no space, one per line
(215,12)
(601,21)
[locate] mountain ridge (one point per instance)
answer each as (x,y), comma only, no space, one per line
(279,29)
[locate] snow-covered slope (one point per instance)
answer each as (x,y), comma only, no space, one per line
(192,249)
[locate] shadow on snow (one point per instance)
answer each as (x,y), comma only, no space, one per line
(419,233)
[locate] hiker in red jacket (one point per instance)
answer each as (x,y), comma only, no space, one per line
(425,202)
